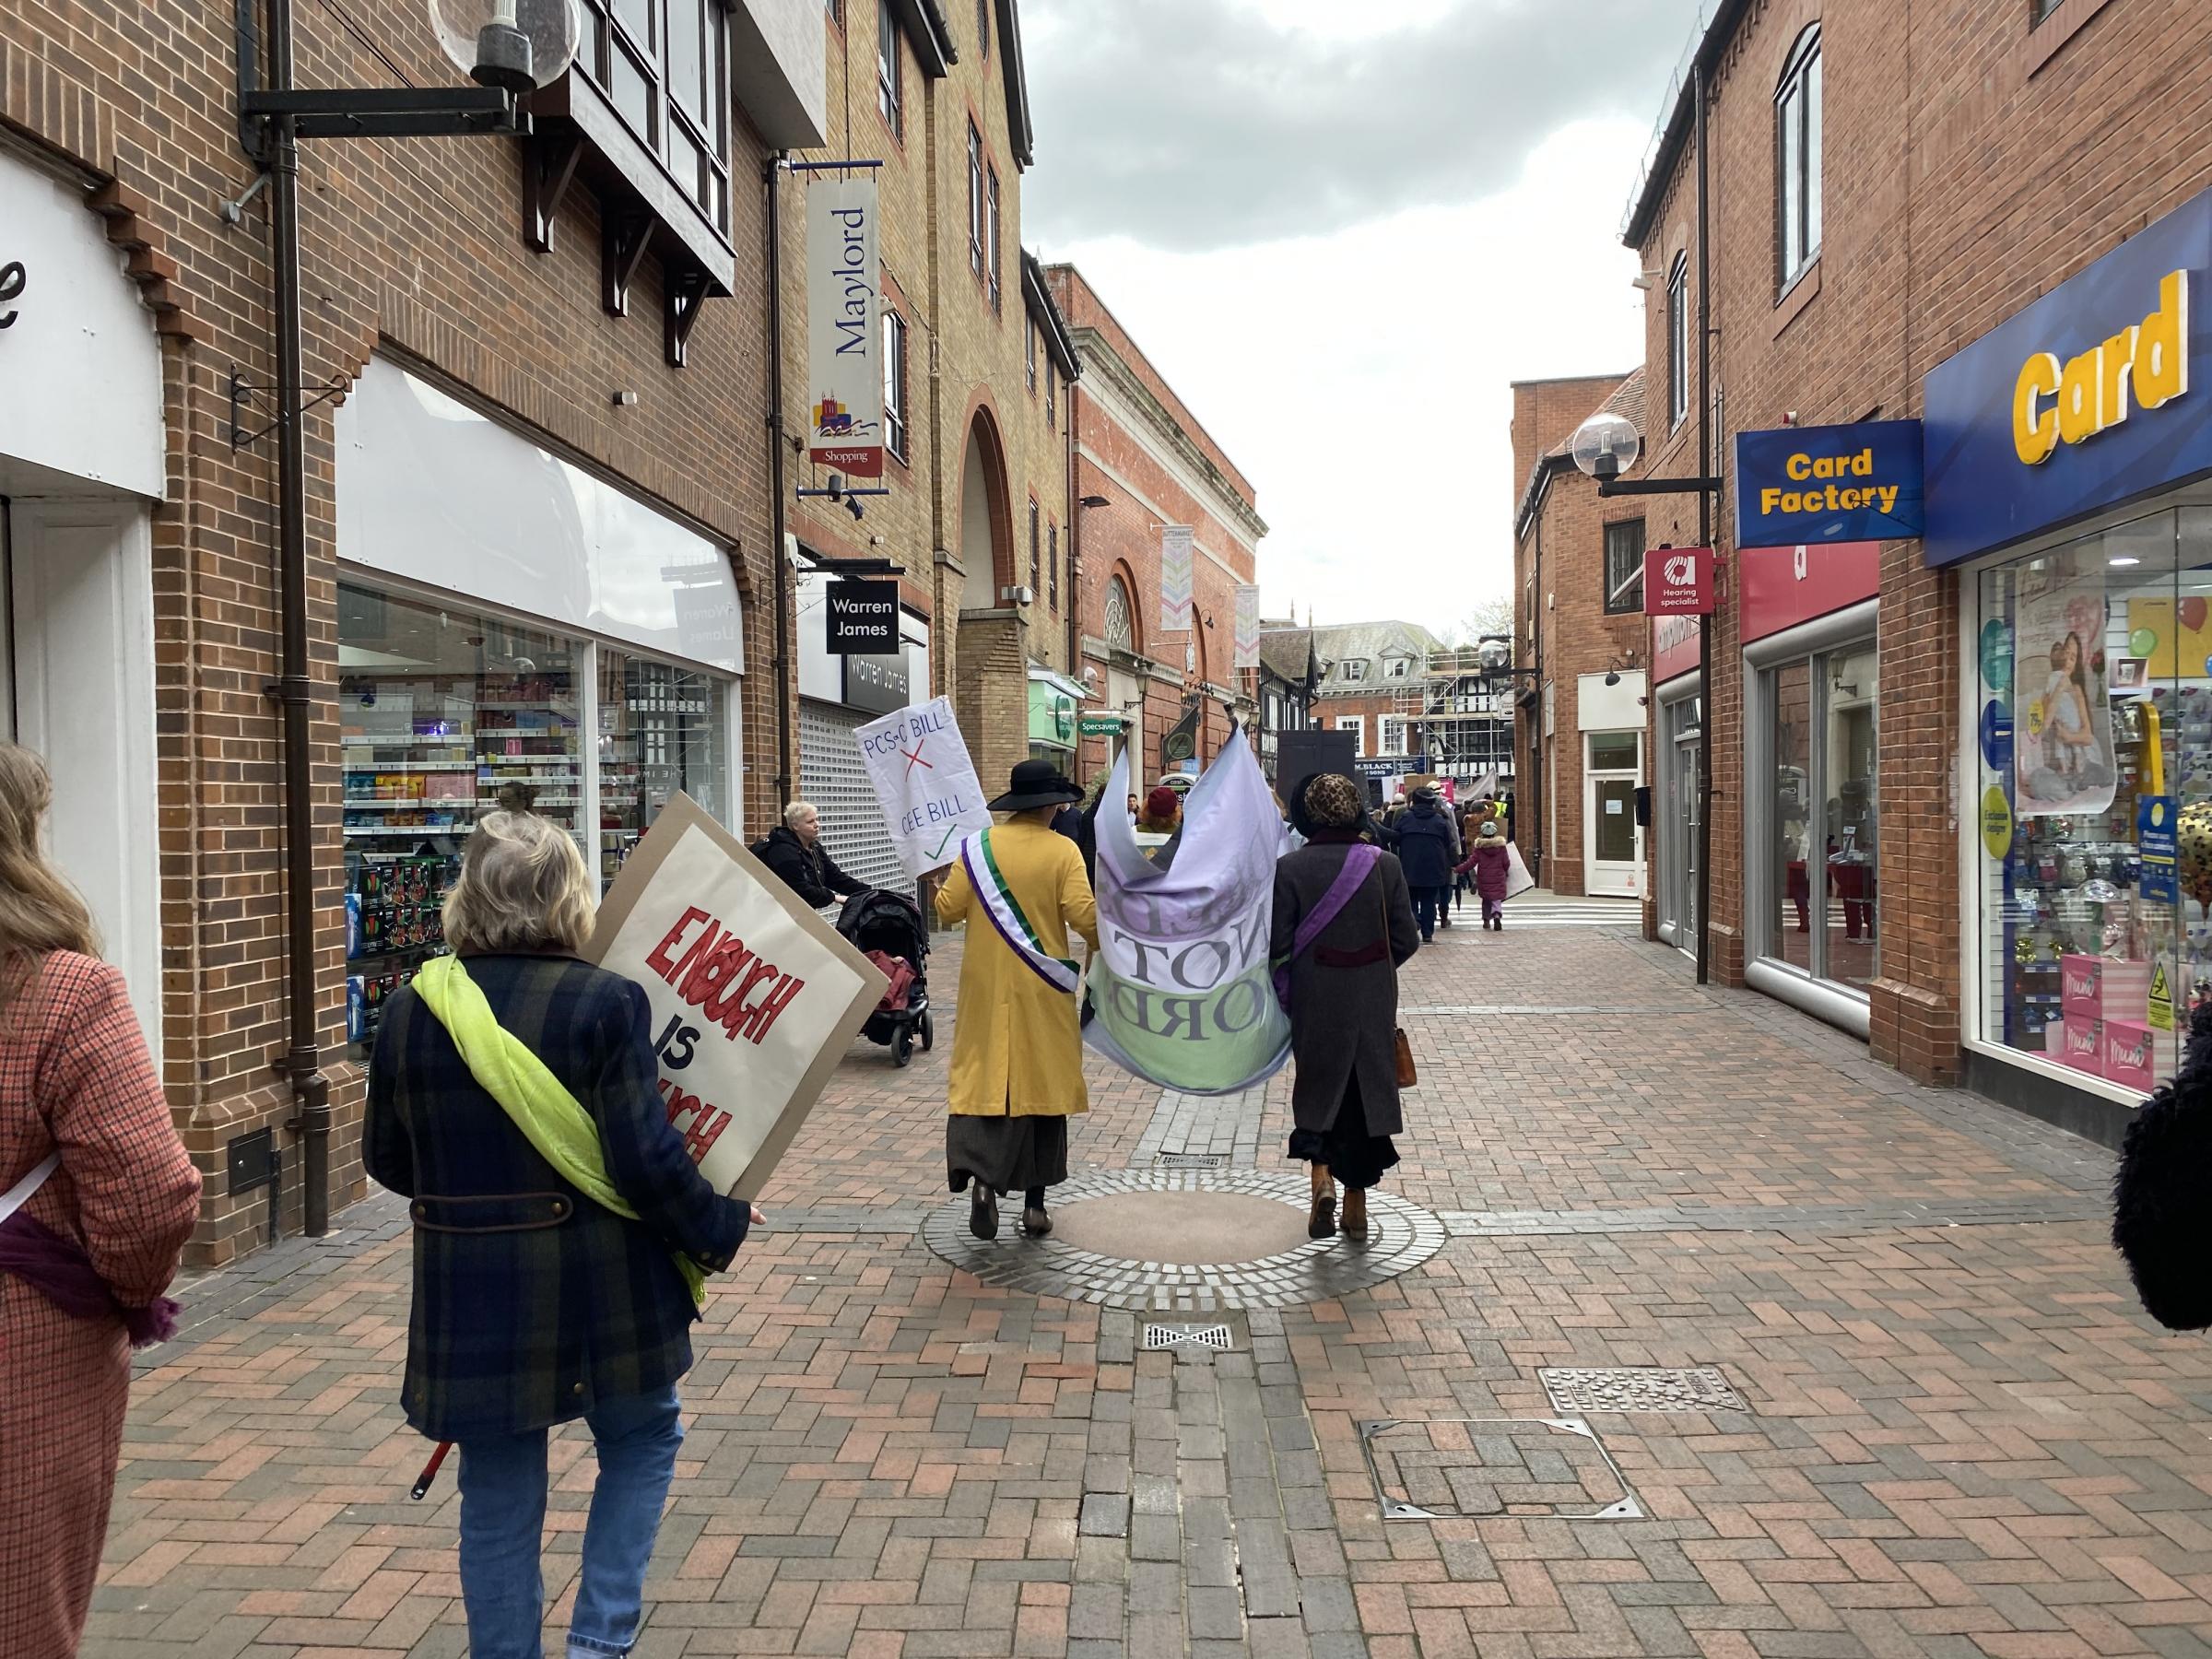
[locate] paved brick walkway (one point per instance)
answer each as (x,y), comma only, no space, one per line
(1961,1437)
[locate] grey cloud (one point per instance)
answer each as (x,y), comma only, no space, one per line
(1197,124)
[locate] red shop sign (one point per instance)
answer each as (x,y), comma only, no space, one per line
(1675,646)
(1785,587)
(1677,582)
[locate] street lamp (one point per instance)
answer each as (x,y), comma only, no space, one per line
(507,47)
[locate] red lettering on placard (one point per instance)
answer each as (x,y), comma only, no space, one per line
(774,1003)
(722,1007)
(707,1121)
(716,970)
(660,961)
(737,1018)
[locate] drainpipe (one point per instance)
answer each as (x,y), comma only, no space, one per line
(294,689)
(779,588)
(1708,625)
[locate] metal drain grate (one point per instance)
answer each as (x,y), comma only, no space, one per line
(1193,1160)
(1216,1337)
(1641,1388)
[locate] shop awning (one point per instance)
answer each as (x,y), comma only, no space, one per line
(1059,682)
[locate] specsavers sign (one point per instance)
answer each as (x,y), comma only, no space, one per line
(2085,400)
(1807,485)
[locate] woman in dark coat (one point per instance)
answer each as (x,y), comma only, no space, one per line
(536,1303)
(1344,1000)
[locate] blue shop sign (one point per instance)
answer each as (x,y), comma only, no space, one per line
(2157,844)
(1800,485)
(2084,401)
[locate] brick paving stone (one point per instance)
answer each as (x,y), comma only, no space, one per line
(1963,1441)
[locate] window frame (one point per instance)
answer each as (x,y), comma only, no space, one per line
(836,11)
(1610,589)
(993,234)
(896,384)
(1357,726)
(1030,351)
(1353,671)
(1798,201)
(975,197)
(1678,341)
(1051,563)
(671,124)
(1119,597)
(1036,548)
(982,28)
(1384,723)
(891,70)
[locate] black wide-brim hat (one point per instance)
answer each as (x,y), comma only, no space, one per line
(1035,783)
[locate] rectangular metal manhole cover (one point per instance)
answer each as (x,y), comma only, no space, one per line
(1186,1335)
(1193,1160)
(1447,1468)
(1641,1388)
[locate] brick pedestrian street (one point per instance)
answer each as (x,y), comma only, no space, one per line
(1925,1415)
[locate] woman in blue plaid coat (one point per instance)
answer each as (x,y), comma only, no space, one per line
(535,1304)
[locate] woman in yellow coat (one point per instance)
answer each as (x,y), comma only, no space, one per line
(1016,1045)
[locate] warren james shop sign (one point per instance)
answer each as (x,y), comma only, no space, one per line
(1799,486)
(2081,402)
(863,617)
(844,350)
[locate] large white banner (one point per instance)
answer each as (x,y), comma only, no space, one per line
(845,346)
(926,785)
(1180,989)
(754,997)
(1176,570)
(1248,626)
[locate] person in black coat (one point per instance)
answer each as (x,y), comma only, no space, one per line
(793,851)
(1427,848)
(1344,1001)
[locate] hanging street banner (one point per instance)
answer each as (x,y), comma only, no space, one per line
(926,784)
(1175,578)
(1248,626)
(753,997)
(844,347)
(1180,990)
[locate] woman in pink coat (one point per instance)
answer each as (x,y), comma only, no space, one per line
(99,1198)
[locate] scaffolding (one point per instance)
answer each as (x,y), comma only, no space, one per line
(1458,713)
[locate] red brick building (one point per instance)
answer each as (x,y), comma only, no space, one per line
(1579,627)
(1142,463)
(1907,223)
(538,553)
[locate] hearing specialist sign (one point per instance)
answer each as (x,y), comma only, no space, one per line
(844,347)
(1677,582)
(753,997)
(1797,486)
(926,784)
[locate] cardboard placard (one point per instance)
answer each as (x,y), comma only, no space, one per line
(754,997)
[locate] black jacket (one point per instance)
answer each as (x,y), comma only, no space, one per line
(1426,845)
(809,872)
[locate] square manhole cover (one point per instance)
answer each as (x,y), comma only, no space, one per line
(1216,1337)
(1445,1468)
(1641,1388)
(1193,1160)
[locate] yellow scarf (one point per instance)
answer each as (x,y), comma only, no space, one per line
(550,1118)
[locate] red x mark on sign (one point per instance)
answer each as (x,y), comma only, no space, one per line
(915,760)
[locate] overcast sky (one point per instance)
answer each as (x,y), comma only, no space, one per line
(1340,231)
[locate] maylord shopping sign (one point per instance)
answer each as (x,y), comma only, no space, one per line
(844,350)
(2085,400)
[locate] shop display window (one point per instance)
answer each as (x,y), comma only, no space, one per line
(2093,717)
(662,729)
(1821,721)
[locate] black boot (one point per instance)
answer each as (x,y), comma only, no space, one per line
(982,1212)
(1034,1221)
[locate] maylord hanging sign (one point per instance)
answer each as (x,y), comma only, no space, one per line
(1176,574)
(845,352)
(1248,626)
(753,996)
(926,784)
(1179,989)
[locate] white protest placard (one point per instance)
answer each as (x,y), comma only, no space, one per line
(926,785)
(754,997)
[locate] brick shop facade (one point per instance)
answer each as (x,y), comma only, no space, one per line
(1925,811)
(540,562)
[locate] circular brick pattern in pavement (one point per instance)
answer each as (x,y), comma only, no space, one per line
(1182,1230)
(1401,1237)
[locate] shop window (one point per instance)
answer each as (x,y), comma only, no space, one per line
(665,69)
(975,198)
(894,382)
(1678,341)
(1790,710)
(1797,158)
(1820,724)
(1624,567)
(662,730)
(889,69)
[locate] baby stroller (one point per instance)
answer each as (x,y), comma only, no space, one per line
(886,927)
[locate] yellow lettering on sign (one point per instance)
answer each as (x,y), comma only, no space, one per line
(2051,406)
(1800,467)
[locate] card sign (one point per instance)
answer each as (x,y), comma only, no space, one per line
(863,617)
(753,999)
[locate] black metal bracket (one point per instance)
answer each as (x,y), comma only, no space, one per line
(1655,487)
(244,391)
(255,1160)
(624,237)
(547,172)
(388,111)
(686,298)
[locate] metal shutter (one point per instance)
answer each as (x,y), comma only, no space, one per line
(831,776)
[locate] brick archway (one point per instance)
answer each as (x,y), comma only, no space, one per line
(986,504)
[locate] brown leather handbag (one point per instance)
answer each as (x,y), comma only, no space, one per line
(1402,1050)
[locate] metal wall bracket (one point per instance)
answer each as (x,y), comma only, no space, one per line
(255,1160)
(243,392)
(547,172)
(687,295)
(388,111)
(624,237)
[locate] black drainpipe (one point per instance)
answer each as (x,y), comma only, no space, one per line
(780,561)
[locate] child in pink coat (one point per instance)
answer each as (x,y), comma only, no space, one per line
(1493,867)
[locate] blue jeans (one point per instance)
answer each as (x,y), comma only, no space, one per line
(503,1522)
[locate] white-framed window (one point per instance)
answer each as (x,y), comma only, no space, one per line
(888,77)
(1120,633)
(894,382)
(1624,567)
(1390,735)
(1275,711)
(1797,158)
(992,240)
(1357,726)
(1029,352)
(1678,340)
(975,198)
(1399,668)
(1352,669)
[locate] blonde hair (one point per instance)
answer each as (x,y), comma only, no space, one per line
(40,912)
(523,885)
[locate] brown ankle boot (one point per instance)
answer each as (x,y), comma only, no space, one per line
(1320,1223)
(1354,1225)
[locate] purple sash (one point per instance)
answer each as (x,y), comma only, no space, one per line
(1358,861)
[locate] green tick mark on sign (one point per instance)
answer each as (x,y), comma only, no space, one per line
(947,841)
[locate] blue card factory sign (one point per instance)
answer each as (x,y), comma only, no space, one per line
(1800,485)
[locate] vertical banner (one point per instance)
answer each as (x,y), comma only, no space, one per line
(1248,626)
(926,784)
(1175,577)
(844,347)
(2062,737)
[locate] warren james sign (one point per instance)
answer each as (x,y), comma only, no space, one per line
(863,617)
(1800,485)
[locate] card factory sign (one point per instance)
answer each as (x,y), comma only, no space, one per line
(1799,486)
(844,348)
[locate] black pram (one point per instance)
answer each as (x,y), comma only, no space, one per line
(880,923)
